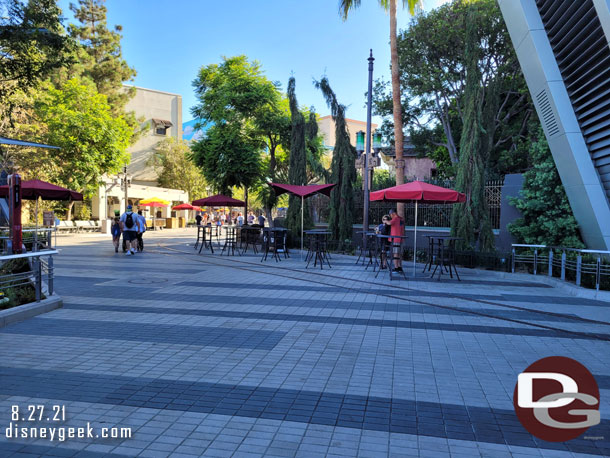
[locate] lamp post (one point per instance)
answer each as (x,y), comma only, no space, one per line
(125,183)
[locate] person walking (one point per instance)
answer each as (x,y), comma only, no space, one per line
(141,230)
(129,226)
(240,220)
(261,220)
(198,219)
(250,218)
(115,230)
(397,227)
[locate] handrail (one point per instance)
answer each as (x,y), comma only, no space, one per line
(28,255)
(579,266)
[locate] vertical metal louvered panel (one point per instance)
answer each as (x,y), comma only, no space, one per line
(548,117)
(583,56)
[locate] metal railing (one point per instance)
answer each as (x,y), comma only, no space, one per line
(37,272)
(589,268)
(33,239)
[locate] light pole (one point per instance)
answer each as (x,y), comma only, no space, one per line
(125,182)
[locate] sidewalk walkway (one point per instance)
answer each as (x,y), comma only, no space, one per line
(203,355)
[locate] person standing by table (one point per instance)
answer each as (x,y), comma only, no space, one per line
(198,219)
(384,229)
(397,227)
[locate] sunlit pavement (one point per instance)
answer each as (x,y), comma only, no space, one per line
(227,356)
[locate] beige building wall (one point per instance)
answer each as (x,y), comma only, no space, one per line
(326,127)
(151,104)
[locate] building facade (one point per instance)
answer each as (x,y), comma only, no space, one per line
(161,117)
(562,46)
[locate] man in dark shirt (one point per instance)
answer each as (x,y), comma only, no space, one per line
(261,220)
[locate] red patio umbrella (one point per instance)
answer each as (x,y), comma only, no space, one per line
(186,206)
(418,191)
(302,191)
(219,201)
(33,189)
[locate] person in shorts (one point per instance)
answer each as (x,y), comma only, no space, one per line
(130,225)
(397,227)
(115,230)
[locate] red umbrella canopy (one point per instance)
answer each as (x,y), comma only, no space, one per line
(420,191)
(32,189)
(186,206)
(219,201)
(302,191)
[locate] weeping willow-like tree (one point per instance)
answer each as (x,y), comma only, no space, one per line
(470,220)
(343,170)
(297,171)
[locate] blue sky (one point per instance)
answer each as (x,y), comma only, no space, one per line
(167,42)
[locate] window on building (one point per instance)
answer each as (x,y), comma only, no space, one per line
(160,126)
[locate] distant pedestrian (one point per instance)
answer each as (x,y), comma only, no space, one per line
(261,220)
(141,230)
(130,225)
(240,220)
(198,219)
(223,218)
(115,230)
(250,218)
(397,227)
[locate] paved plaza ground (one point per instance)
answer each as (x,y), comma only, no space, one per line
(209,355)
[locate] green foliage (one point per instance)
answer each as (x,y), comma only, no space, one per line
(343,171)
(228,157)
(472,217)
(100,60)
(176,170)
(547,217)
(432,56)
(240,102)
(93,141)
(32,44)
(297,172)
(100,53)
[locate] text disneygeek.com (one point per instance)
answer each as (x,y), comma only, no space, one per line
(61,433)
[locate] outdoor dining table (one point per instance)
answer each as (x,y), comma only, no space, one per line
(318,247)
(204,238)
(442,254)
(274,238)
(387,249)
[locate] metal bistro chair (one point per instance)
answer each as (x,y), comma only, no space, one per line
(200,235)
(445,258)
(251,236)
(230,241)
(271,242)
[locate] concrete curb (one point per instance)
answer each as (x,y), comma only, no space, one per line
(23,312)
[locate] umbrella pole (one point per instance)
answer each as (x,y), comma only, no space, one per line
(36,231)
(415,241)
(302,202)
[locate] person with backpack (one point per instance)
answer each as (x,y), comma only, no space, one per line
(130,225)
(141,231)
(115,230)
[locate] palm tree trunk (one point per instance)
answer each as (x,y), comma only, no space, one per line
(397,107)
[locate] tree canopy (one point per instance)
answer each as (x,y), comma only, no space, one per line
(432,55)
(237,98)
(176,169)
(33,43)
(343,170)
